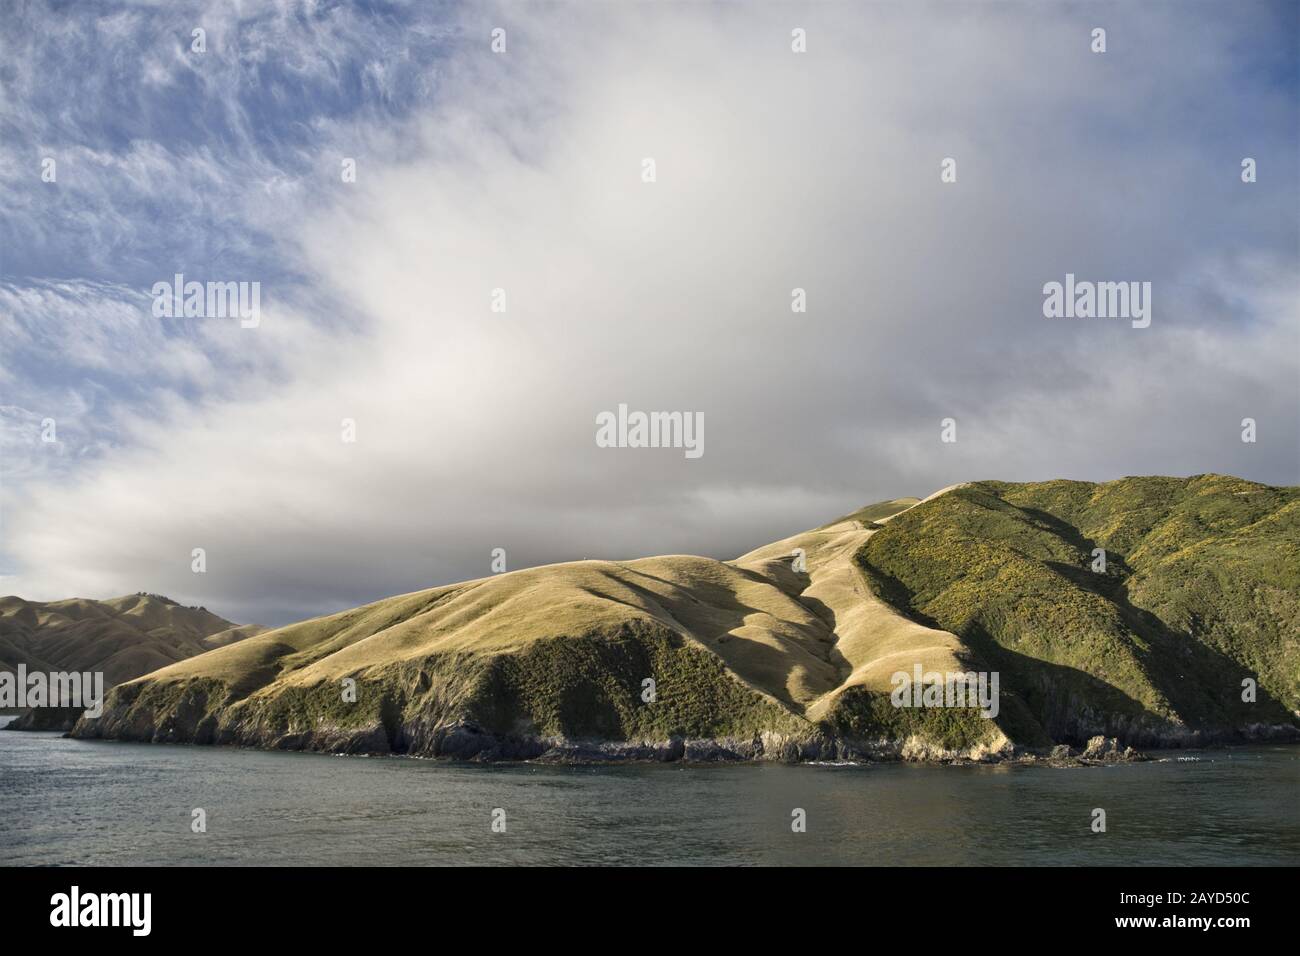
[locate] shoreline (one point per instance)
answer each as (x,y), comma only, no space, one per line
(1099,751)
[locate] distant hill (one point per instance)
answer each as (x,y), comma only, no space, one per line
(788,652)
(124,638)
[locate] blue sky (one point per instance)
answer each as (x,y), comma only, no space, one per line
(479,170)
(164,153)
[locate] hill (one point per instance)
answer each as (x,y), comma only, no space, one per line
(789,652)
(1200,591)
(123,637)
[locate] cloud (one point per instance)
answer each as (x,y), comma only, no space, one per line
(522,171)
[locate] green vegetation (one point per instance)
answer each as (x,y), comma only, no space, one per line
(1201,590)
(861,714)
(590,687)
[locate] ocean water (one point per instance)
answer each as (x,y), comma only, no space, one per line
(70,802)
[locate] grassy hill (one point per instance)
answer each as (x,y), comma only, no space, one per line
(124,638)
(1201,590)
(788,651)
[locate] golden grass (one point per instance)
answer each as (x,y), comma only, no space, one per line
(798,639)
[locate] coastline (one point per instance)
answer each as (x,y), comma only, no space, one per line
(466,744)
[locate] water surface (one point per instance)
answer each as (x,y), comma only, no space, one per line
(104,803)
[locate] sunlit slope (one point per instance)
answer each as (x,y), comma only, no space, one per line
(1200,592)
(872,641)
(869,639)
(880,512)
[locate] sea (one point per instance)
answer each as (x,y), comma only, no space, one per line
(98,803)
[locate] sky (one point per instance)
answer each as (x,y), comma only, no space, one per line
(522,169)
